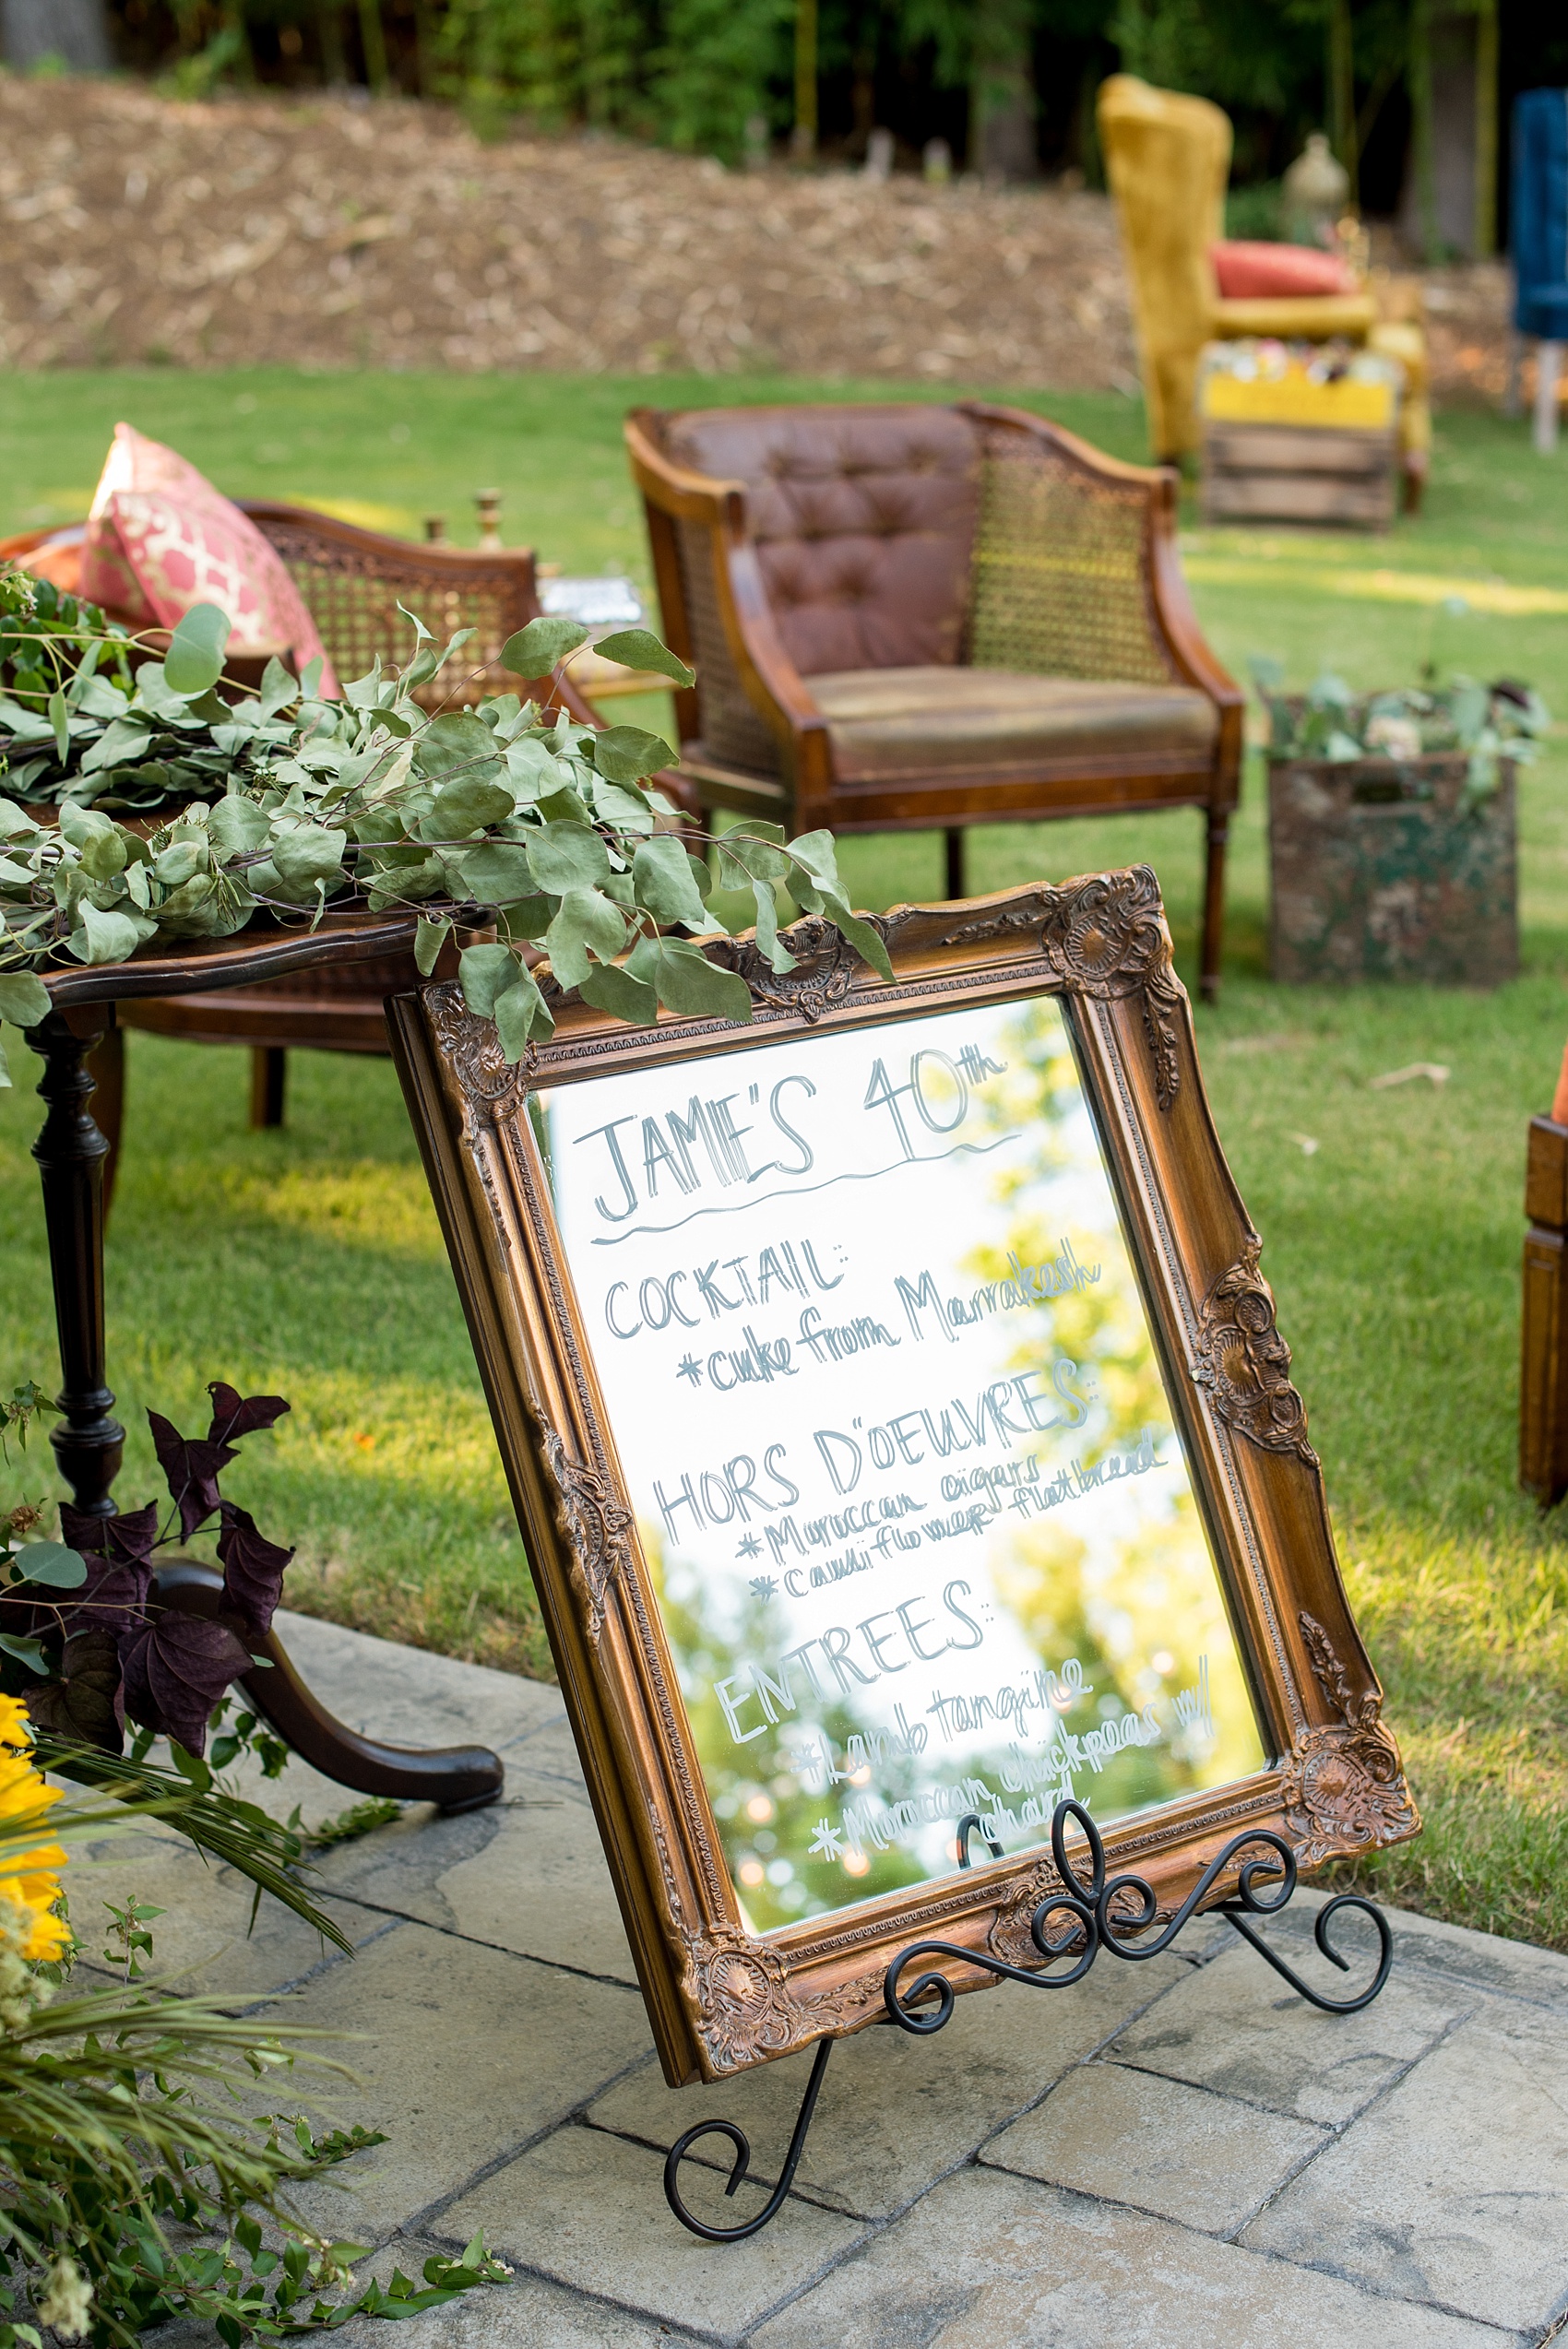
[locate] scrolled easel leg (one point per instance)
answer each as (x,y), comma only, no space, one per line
(741,2143)
(1321,1936)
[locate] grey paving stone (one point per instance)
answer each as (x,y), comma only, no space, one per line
(1134,2137)
(1236,2026)
(1481,1960)
(896,2112)
(550,1751)
(466,2053)
(588,2210)
(407,1695)
(527,1874)
(205,1941)
(1453,2188)
(989,2261)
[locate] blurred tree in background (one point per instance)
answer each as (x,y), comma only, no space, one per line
(1008,84)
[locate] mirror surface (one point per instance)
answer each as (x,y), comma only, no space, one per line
(909,1482)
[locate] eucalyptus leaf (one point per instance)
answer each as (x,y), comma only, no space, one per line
(467,805)
(767,927)
(306,855)
(104,855)
(584,919)
(484,973)
(458,739)
(626,753)
(236,827)
(24,999)
(567,856)
(15,820)
(535,650)
(119,745)
(693,986)
(26,1652)
(533,769)
(60,720)
(101,937)
(521,1013)
(51,1563)
(194,661)
(497,873)
(610,986)
(661,874)
(429,939)
(278,689)
(640,648)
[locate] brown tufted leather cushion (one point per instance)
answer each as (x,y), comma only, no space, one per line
(911,723)
(863,519)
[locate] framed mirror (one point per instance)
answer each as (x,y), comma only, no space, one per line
(903,1441)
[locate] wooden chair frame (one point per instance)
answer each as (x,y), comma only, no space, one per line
(813,793)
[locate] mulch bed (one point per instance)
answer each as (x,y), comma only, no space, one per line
(326,233)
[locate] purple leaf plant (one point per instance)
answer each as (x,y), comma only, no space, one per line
(115,1652)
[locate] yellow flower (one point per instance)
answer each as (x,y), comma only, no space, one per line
(27,1882)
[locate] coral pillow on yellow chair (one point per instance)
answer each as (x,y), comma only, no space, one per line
(1248,272)
(160,539)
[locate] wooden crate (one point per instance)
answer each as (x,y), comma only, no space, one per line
(1365,886)
(1299,473)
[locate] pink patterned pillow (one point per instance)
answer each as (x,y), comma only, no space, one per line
(160,539)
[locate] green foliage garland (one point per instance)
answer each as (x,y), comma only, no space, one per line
(304,803)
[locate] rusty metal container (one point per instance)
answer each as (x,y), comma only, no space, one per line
(1380,870)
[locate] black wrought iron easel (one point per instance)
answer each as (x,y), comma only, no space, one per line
(1107,1913)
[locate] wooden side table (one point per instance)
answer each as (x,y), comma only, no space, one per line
(88,1441)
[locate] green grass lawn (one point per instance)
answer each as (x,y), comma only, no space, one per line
(309,1263)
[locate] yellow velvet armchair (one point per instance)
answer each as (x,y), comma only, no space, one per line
(1168,159)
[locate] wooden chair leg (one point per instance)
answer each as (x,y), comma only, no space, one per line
(1214,907)
(1543,1369)
(952,843)
(106,1066)
(268,1064)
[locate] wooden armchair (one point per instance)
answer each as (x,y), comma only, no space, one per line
(921,618)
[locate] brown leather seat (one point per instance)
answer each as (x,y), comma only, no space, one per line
(924,725)
(908,616)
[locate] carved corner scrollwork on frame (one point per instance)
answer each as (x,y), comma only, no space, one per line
(1345,1788)
(826,963)
(598,1531)
(1105,938)
(1243,1363)
(491,1085)
(750,2011)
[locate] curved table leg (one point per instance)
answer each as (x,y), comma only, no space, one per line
(454,1777)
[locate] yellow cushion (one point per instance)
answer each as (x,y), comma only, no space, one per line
(1305,317)
(887,723)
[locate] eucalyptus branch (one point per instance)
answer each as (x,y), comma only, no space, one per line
(296,805)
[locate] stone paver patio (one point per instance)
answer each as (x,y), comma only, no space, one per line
(1181,2152)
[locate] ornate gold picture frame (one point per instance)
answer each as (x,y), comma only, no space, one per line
(1134,1484)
